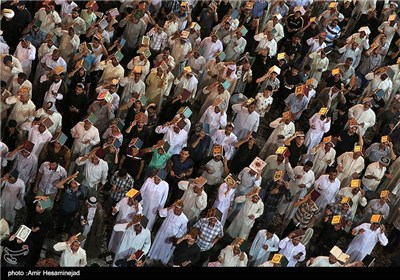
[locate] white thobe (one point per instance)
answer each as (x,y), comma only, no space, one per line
(55,117)
(25,56)
(125,215)
(229,259)
(244,122)
(242,224)
(176,140)
(321,159)
(173,226)
(49,20)
(69,258)
(264,43)
(81,135)
(314,136)
(272,165)
(224,200)
(373,169)
(10,195)
(364,243)
(110,72)
(235,47)
(317,63)
(131,242)
(350,165)
(215,120)
(26,166)
(226,141)
(357,199)
(278,27)
(209,49)
(323,261)
(185,83)
(94,173)
(130,86)
(367,117)
(193,204)
(37,138)
(259,254)
(288,249)
(280,128)
(22,112)
(153,199)
(327,189)
(307,178)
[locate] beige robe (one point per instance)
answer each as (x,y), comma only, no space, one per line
(350,166)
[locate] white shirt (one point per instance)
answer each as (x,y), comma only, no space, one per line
(176,140)
(69,258)
(374,170)
(226,141)
(215,120)
(94,173)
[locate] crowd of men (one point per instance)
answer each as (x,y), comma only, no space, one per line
(200,133)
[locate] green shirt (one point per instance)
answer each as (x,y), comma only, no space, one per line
(159,161)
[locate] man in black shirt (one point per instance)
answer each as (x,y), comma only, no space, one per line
(187,252)
(347,139)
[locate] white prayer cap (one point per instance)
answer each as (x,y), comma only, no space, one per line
(394,3)
(365,29)
(278,16)
(8,13)
(232,67)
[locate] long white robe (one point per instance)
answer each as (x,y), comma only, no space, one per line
(317,63)
(367,117)
(286,130)
(327,189)
(321,159)
(193,204)
(286,208)
(125,215)
(176,140)
(131,242)
(224,200)
(235,47)
(323,261)
(153,199)
(173,226)
(37,138)
(357,199)
(350,165)
(288,249)
(242,224)
(244,122)
(314,135)
(215,120)
(229,259)
(259,254)
(227,142)
(373,169)
(364,243)
(10,195)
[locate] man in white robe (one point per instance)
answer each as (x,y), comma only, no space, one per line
(246,120)
(135,237)
(322,155)
(175,136)
(356,194)
(26,54)
(194,199)
(298,186)
(373,175)
(265,242)
(232,256)
(328,187)
(363,114)
(215,117)
(283,129)
(174,226)
(252,208)
(235,45)
(319,124)
(366,236)
(209,46)
(38,135)
(126,208)
(85,135)
(292,249)
(323,261)
(154,195)
(349,166)
(227,139)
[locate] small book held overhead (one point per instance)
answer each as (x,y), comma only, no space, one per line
(103,23)
(185,111)
(278,175)
(231,180)
(80,237)
(314,194)
(200,181)
(113,12)
(132,193)
(257,164)
(145,40)
(23,233)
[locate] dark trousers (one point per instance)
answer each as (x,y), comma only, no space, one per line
(65,221)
